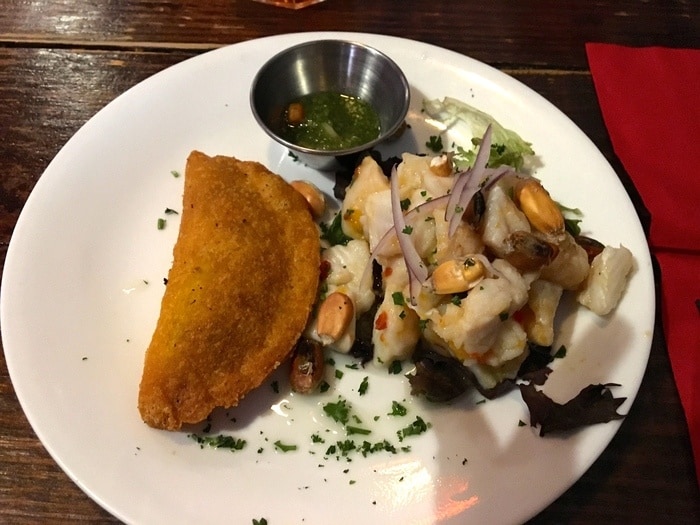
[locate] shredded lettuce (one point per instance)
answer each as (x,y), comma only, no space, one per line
(467,121)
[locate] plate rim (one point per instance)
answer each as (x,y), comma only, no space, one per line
(11,263)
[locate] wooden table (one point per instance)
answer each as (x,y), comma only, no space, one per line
(62,60)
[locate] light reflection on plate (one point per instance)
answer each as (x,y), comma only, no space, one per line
(82,287)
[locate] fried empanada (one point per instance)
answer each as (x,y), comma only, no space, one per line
(242,284)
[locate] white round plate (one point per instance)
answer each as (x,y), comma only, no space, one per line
(84,277)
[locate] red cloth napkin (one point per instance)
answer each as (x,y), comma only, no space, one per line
(650,101)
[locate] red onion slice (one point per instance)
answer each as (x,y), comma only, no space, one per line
(463,177)
(409,217)
(489,177)
(417,272)
(468,184)
(390,234)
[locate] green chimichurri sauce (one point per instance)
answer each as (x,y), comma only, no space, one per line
(330,121)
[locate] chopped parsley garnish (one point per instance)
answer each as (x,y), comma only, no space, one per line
(284,448)
(397,409)
(398,298)
(220,441)
(338,374)
(395,367)
(408,230)
(261,521)
(405,204)
(170,211)
(175,173)
(417,427)
(369,448)
(161,223)
(357,430)
(364,386)
(434,143)
(339,411)
(324,386)
(333,232)
(346,446)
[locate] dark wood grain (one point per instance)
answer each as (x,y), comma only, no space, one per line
(62,60)
(544,33)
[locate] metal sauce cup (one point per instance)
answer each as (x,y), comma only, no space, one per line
(341,66)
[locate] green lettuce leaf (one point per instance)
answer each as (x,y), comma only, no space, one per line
(464,120)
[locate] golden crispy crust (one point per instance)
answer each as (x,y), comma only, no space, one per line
(242,284)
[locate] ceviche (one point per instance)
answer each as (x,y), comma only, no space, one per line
(457,261)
